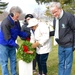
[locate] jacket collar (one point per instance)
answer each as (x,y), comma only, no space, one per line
(11,20)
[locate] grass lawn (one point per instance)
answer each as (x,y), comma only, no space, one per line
(52,63)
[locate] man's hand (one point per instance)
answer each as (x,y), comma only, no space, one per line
(36,44)
(57,40)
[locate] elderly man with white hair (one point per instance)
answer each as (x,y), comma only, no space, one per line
(42,42)
(64,32)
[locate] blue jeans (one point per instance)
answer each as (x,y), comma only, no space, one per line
(5,53)
(65,56)
(41,60)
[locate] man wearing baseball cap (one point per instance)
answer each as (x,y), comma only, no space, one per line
(24,27)
(27,29)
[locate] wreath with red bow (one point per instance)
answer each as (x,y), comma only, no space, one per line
(26,52)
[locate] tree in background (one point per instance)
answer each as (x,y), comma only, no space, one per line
(61,1)
(3,6)
(68,5)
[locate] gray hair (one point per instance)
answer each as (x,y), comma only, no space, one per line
(54,4)
(15,9)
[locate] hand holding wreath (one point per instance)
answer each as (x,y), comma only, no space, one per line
(26,52)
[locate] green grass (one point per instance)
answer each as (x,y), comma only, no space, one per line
(52,62)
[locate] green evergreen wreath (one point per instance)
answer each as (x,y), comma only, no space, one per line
(26,52)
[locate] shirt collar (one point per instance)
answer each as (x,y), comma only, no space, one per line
(61,14)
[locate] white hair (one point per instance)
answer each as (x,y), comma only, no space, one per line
(53,5)
(15,9)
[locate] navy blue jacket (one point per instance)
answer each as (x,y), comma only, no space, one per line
(9,32)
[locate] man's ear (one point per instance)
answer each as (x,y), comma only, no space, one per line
(11,14)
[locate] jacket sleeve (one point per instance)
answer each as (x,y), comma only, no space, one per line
(74,39)
(11,43)
(6,30)
(72,25)
(7,35)
(23,35)
(44,32)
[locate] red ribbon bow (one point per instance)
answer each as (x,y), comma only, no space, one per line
(25,48)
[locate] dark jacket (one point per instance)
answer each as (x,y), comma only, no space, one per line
(9,31)
(26,29)
(66,30)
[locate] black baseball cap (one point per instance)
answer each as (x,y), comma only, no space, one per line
(29,15)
